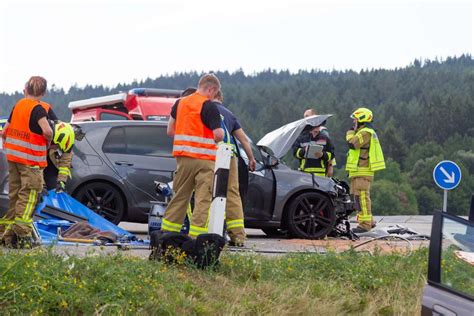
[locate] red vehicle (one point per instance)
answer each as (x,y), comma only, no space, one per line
(138,104)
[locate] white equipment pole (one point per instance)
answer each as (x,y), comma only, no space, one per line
(219,190)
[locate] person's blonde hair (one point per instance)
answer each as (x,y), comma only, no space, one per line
(219,96)
(209,81)
(36,86)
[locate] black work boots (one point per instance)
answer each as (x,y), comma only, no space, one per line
(19,242)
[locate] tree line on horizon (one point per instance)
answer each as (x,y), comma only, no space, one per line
(424,113)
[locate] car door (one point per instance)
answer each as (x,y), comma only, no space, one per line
(3,182)
(141,154)
(450,288)
(257,188)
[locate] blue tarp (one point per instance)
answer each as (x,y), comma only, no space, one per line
(47,228)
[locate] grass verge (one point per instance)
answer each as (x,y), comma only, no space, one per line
(41,282)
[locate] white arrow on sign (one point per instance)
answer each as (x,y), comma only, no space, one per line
(449,178)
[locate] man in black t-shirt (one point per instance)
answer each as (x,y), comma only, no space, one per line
(194,146)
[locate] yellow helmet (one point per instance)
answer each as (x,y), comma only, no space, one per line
(63,136)
(362,115)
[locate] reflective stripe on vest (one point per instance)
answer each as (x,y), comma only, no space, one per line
(26,144)
(21,144)
(16,153)
(319,171)
(192,149)
(195,139)
(192,138)
(376,158)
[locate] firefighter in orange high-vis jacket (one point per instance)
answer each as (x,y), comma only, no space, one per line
(26,138)
(195,123)
(365,157)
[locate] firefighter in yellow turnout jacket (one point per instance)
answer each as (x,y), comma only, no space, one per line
(365,157)
(59,156)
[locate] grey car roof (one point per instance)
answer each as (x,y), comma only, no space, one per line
(114,123)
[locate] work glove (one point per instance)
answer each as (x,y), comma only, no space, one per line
(60,187)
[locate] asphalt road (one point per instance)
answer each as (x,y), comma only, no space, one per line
(260,243)
(421,224)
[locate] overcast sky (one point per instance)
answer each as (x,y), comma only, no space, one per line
(107,42)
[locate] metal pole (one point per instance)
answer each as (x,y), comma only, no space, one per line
(445,201)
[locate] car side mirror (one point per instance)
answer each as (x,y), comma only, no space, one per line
(271,161)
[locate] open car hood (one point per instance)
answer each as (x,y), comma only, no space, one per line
(279,141)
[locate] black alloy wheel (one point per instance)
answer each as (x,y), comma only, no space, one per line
(104,199)
(311,216)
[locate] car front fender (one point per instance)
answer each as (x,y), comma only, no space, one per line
(291,183)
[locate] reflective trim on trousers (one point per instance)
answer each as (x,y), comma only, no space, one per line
(170,226)
(196,230)
(363,203)
(195,150)
(194,139)
(26,156)
(4,221)
(364,218)
(364,212)
(28,222)
(236,223)
(30,206)
(189,212)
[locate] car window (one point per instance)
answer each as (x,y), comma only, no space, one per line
(148,140)
(139,140)
(115,141)
(104,116)
(256,153)
(457,256)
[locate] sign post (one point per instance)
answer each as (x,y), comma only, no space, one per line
(447,176)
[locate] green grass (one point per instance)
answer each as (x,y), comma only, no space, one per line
(41,282)
(457,273)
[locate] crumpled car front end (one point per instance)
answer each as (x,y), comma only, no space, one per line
(344,207)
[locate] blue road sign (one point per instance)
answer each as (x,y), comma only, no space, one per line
(447,175)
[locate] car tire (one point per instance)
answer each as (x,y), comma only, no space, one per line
(311,216)
(104,199)
(274,232)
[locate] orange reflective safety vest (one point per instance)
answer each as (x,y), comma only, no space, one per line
(22,145)
(192,138)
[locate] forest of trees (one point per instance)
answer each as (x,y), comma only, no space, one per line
(424,113)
